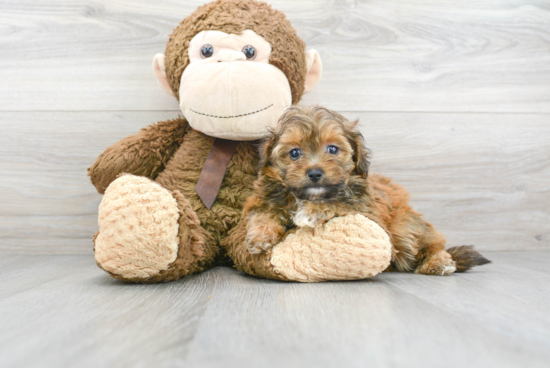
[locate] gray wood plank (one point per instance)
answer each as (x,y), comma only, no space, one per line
(492,316)
(469,55)
(539,263)
(21,273)
(482,179)
(356,324)
(87,319)
(492,295)
(48,203)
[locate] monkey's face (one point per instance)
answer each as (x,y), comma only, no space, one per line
(235,67)
(228,85)
(229,89)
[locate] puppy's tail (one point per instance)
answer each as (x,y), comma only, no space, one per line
(466,257)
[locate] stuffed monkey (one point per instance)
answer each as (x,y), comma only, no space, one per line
(174,190)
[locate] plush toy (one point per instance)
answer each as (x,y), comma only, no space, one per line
(174,190)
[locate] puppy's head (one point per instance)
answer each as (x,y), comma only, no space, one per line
(313,151)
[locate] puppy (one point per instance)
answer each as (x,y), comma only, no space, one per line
(314,167)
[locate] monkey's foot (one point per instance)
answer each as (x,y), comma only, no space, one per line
(345,248)
(138,229)
(149,234)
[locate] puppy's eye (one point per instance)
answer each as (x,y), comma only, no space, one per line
(207,51)
(249,51)
(295,153)
(333,150)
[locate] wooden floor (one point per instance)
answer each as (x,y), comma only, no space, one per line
(62,311)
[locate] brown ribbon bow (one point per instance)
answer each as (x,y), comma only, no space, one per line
(213,171)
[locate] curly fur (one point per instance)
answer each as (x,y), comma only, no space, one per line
(283,193)
(466,257)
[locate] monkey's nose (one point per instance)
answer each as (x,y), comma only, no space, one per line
(315,175)
(230,55)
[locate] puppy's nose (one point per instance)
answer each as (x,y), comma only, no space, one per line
(315,175)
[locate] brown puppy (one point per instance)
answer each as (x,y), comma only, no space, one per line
(314,167)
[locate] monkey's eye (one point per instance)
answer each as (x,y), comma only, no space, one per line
(249,51)
(207,51)
(294,153)
(333,150)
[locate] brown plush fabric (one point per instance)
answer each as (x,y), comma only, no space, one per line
(144,153)
(183,170)
(197,248)
(201,230)
(173,154)
(235,16)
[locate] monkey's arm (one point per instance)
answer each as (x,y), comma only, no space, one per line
(145,153)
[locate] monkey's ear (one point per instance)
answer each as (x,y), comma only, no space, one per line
(160,73)
(314,69)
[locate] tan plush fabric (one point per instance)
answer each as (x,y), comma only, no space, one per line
(346,248)
(226,95)
(138,221)
(196,250)
(226,99)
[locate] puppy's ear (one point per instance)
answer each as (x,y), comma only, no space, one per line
(266,149)
(361,152)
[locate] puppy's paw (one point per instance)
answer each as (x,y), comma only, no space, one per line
(305,218)
(312,216)
(447,270)
(260,238)
(439,264)
(257,248)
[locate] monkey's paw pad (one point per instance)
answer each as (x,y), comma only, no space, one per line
(138,228)
(345,248)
